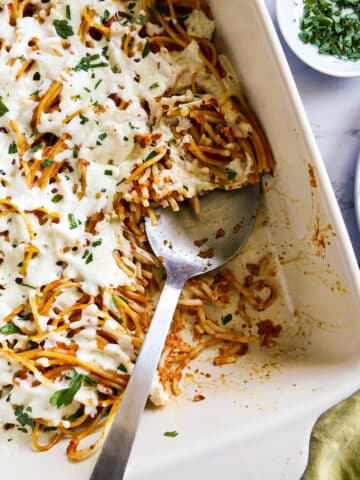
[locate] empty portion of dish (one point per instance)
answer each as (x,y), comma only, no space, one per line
(107,109)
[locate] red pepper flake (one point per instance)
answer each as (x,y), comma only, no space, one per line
(206,253)
(198,398)
(253,269)
(220,233)
(200,243)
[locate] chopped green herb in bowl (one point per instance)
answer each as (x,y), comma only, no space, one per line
(332,25)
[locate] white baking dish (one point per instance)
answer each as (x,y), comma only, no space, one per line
(258,413)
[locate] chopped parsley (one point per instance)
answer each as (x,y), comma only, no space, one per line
(171,434)
(154,85)
(9,329)
(79,412)
(49,428)
(105,18)
(23,417)
(173,141)
(122,368)
(133,126)
(97,83)
(22,58)
(63,29)
(3,108)
(151,156)
(97,242)
(63,398)
(226,319)
(104,52)
(88,62)
(57,198)
(89,259)
(113,298)
(90,381)
(333,26)
(230,173)
(108,172)
(146,49)
(83,119)
(125,300)
(72,221)
(142,20)
(68,12)
(46,163)
(101,137)
(12,149)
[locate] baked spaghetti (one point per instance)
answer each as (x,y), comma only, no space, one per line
(107,109)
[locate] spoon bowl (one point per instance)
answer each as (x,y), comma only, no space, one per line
(188,245)
(193,244)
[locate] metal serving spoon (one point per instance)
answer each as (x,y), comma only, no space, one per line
(188,245)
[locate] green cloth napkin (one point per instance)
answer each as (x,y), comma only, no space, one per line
(335,443)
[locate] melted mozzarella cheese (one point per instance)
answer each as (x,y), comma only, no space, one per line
(96,133)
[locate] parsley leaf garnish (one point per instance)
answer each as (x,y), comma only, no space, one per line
(97,242)
(46,163)
(171,434)
(146,49)
(63,29)
(90,381)
(76,415)
(83,119)
(72,221)
(65,396)
(86,63)
(230,173)
(142,20)
(12,148)
(105,17)
(226,319)
(122,368)
(89,259)
(9,329)
(3,108)
(23,417)
(57,198)
(151,156)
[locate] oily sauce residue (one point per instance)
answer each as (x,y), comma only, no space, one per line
(313,181)
(320,238)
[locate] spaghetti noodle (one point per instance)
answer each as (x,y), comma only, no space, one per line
(107,109)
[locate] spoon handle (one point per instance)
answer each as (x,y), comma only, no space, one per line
(115,453)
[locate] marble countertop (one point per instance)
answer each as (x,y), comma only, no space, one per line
(333,108)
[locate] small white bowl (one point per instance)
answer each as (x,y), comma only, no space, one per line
(289,13)
(357,192)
